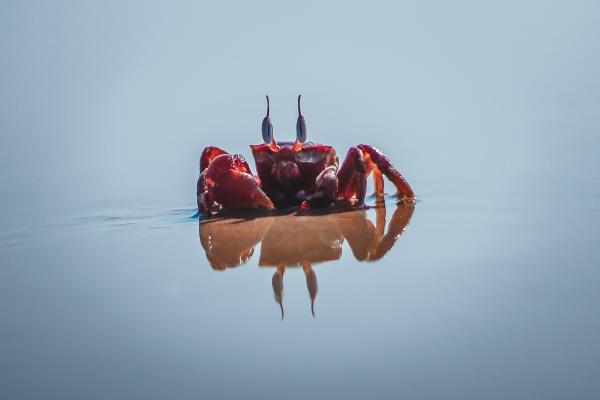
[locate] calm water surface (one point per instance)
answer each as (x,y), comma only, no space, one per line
(482,295)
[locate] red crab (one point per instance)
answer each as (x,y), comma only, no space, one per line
(292,173)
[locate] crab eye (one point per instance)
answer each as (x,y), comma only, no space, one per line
(300,125)
(267,126)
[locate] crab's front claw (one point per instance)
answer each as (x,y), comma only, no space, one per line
(208,154)
(326,186)
(352,178)
(228,182)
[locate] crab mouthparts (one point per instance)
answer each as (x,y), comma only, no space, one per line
(285,173)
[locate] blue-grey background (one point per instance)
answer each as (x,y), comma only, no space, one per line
(490,109)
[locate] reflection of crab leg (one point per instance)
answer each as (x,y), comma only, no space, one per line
(380,216)
(226,180)
(398,222)
(369,243)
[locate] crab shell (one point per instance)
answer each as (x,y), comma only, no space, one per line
(288,171)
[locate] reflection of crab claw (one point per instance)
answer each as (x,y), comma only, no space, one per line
(229,243)
(227,181)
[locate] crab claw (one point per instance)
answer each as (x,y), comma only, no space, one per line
(326,187)
(227,181)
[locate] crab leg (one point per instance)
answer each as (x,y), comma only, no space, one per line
(349,184)
(377,162)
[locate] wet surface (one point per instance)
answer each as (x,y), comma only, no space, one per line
(456,295)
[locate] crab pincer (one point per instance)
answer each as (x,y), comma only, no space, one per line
(228,182)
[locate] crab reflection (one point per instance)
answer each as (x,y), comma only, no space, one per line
(301,240)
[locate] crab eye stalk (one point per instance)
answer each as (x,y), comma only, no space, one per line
(300,125)
(267,126)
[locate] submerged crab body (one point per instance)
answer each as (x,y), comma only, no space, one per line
(292,173)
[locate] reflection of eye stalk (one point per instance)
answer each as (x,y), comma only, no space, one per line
(301,240)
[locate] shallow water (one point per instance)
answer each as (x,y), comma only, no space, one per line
(485,296)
